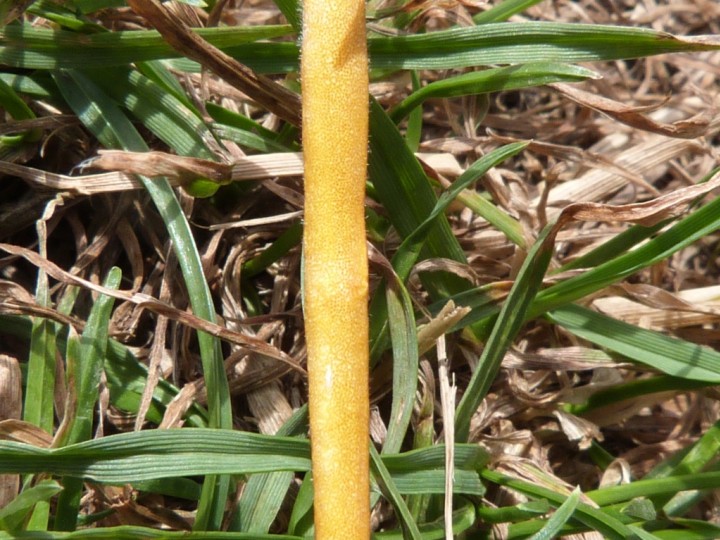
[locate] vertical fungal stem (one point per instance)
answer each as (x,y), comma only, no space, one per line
(334,73)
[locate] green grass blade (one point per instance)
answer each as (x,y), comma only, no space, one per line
(126,376)
(503,11)
(264,494)
(517,43)
(403,334)
(15,512)
(702,222)
(511,318)
(113,130)
(22,46)
(463,518)
(86,374)
(672,356)
(160,111)
(42,48)
(559,518)
(594,518)
(40,388)
(391,493)
(152,454)
(409,250)
(655,486)
(403,188)
(292,10)
(492,80)
(85,360)
(405,192)
(634,389)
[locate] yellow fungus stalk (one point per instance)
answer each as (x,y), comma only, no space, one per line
(334,73)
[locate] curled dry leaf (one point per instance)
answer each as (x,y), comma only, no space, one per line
(646,213)
(448,317)
(24,432)
(577,429)
(633,116)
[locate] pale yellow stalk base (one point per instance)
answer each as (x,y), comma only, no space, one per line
(334,74)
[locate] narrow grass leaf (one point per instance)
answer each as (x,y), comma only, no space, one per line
(39,408)
(279,248)
(107,122)
(15,512)
(301,517)
(492,80)
(248,139)
(503,11)
(516,43)
(655,486)
(594,518)
(508,323)
(634,389)
(147,455)
(409,250)
(126,375)
(402,187)
(391,493)
(22,46)
(264,494)
(672,356)
(700,223)
(43,48)
(85,373)
(463,518)
(292,10)
(159,110)
(85,360)
(403,334)
(559,518)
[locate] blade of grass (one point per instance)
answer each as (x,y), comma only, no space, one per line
(672,356)
(559,518)
(409,250)
(655,486)
(700,223)
(113,130)
(132,532)
(634,389)
(503,11)
(85,359)
(508,323)
(463,518)
(126,376)
(403,334)
(492,80)
(531,41)
(14,513)
(23,46)
(57,49)
(389,490)
(264,494)
(594,518)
